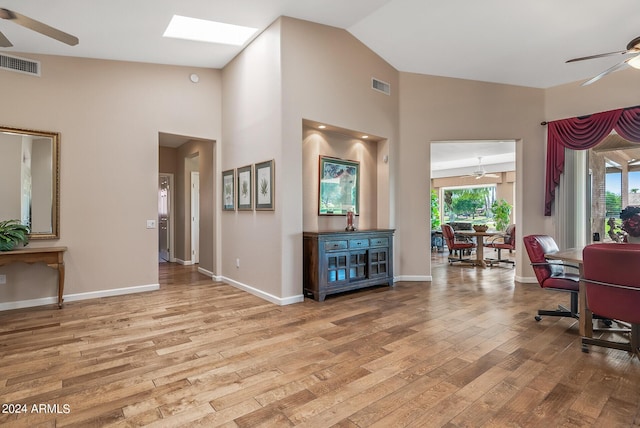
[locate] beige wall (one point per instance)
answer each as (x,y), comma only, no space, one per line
(198,156)
(316,144)
(109,114)
(326,75)
(252,122)
(193,156)
(168,160)
(439,109)
(617,90)
(295,70)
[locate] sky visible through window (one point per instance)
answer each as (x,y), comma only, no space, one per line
(614,184)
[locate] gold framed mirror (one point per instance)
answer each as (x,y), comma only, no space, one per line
(30,177)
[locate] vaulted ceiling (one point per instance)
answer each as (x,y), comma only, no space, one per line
(503,41)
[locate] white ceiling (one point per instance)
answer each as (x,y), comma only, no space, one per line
(454,158)
(504,41)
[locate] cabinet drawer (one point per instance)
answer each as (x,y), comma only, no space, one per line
(335,245)
(358,243)
(379,242)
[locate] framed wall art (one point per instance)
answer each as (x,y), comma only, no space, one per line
(339,186)
(228,193)
(265,185)
(245,201)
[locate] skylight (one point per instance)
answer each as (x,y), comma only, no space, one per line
(182,27)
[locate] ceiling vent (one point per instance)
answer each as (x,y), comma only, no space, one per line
(21,65)
(380,86)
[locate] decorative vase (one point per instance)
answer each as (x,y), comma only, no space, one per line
(349,227)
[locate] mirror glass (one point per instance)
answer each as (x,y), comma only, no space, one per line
(29,173)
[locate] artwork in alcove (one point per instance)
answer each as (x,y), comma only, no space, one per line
(339,186)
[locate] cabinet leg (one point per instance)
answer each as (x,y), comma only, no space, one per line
(318,297)
(60,284)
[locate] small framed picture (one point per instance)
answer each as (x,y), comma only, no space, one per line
(228,194)
(265,185)
(245,200)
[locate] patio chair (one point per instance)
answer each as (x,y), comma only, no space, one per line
(454,245)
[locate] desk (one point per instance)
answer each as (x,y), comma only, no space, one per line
(585,320)
(52,256)
(479,243)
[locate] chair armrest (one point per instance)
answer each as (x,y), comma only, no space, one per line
(494,238)
(556,264)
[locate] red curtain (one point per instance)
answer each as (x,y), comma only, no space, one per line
(582,133)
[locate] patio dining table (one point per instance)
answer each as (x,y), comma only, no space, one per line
(479,238)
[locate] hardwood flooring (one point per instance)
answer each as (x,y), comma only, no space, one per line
(462,351)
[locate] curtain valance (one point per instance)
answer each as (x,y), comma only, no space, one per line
(582,133)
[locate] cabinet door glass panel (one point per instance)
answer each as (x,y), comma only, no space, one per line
(358,265)
(337,267)
(378,265)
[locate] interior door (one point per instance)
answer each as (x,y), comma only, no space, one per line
(164,204)
(195,217)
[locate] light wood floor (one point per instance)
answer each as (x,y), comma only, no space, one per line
(463,350)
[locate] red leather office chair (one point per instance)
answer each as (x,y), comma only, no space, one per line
(508,242)
(455,245)
(612,284)
(551,274)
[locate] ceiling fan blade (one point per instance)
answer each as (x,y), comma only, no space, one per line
(39,27)
(600,55)
(4,42)
(604,73)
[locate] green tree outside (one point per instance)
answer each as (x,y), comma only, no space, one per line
(613,203)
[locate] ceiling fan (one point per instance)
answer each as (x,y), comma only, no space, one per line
(36,26)
(481,172)
(633,48)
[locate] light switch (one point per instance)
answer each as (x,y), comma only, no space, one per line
(151,224)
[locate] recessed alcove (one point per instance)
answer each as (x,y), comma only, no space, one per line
(371,152)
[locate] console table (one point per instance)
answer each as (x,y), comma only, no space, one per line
(52,256)
(341,261)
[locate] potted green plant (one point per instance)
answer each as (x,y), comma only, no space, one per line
(501,213)
(435,210)
(13,233)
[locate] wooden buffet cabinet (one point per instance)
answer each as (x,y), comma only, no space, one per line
(341,261)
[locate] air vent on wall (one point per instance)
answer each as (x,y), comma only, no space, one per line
(20,65)
(380,86)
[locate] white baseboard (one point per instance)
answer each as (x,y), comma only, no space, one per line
(184,262)
(413,278)
(20,304)
(205,272)
(78,296)
(266,296)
